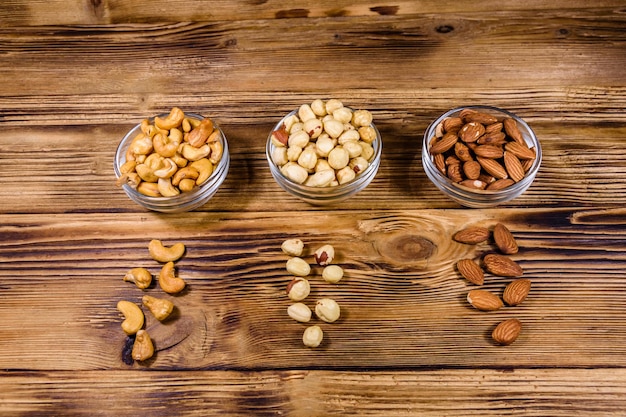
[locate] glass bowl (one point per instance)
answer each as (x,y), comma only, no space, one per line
(472,197)
(330,194)
(185,201)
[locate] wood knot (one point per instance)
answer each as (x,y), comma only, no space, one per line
(405,248)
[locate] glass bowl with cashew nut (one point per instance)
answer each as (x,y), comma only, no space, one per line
(173,162)
(324,152)
(481,156)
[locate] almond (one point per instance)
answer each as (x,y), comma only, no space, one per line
(472,235)
(504,239)
(462,152)
(474,184)
(440,162)
(516,292)
(446,142)
(489,151)
(500,184)
(452,124)
(480,117)
(471,169)
(507,331)
(502,266)
(470,132)
(471,271)
(492,167)
(511,129)
(521,150)
(514,167)
(484,300)
(494,127)
(454,172)
(492,138)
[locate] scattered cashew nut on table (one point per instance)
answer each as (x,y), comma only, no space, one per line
(161,253)
(168,280)
(133,317)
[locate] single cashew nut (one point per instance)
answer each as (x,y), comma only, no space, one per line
(168,280)
(199,135)
(187,184)
(172,120)
(141,277)
(193,154)
(133,317)
(143,348)
(168,169)
(164,145)
(151,189)
(159,307)
(186,172)
(160,253)
(141,145)
(146,173)
(147,128)
(204,168)
(217,149)
(166,189)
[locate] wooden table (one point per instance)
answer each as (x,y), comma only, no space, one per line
(77,74)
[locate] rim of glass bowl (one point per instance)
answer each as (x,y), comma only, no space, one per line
(184,201)
(321,195)
(480,198)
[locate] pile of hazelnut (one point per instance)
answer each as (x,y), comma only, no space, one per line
(298,289)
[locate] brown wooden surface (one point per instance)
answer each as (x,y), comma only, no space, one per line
(76,74)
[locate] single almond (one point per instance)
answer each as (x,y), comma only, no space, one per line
(472,235)
(452,124)
(474,184)
(470,132)
(471,271)
(440,162)
(502,266)
(527,164)
(521,150)
(492,138)
(471,169)
(514,167)
(489,151)
(492,167)
(507,332)
(462,152)
(494,127)
(446,142)
(484,300)
(454,172)
(500,184)
(516,292)
(480,117)
(511,129)
(505,241)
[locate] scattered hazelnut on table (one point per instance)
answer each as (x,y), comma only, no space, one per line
(312,336)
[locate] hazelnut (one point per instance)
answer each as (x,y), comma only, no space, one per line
(312,336)
(299,312)
(327,310)
(298,289)
(293,247)
(332,274)
(324,255)
(298,267)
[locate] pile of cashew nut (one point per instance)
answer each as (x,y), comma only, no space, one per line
(161,308)
(324,144)
(173,155)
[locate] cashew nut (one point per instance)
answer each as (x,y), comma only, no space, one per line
(166,189)
(151,189)
(160,253)
(132,179)
(141,277)
(133,317)
(168,280)
(143,348)
(193,154)
(204,168)
(186,185)
(167,170)
(165,145)
(159,307)
(199,135)
(186,172)
(141,145)
(146,173)
(172,120)
(216,151)
(147,128)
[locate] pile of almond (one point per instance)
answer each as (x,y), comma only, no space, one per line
(479,151)
(498,264)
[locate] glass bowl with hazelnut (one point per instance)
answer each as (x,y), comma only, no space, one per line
(481,156)
(324,152)
(173,162)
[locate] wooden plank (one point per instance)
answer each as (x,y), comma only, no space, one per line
(528,392)
(403,301)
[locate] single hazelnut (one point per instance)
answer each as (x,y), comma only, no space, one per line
(298,289)
(293,247)
(327,310)
(332,274)
(312,336)
(299,312)
(298,267)
(324,255)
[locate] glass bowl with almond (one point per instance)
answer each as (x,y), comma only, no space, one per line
(481,156)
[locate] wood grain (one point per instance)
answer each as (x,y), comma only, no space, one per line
(77,74)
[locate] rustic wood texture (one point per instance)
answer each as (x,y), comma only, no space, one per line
(77,74)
